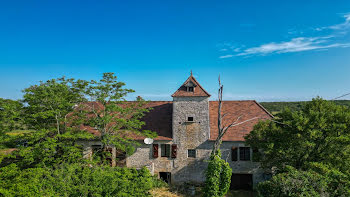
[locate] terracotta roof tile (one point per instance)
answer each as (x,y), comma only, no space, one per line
(158,119)
(245,109)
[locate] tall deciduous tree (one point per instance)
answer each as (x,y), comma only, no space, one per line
(117,120)
(48,103)
(318,133)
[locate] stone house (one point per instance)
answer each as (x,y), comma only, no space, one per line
(187,129)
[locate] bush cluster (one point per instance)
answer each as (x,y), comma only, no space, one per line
(75,180)
(295,183)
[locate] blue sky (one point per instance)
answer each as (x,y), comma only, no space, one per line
(263,50)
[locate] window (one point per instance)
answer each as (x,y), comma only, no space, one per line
(96,149)
(244,153)
(165,176)
(234,153)
(190,119)
(165,150)
(155,150)
(173,150)
(192,153)
(190,89)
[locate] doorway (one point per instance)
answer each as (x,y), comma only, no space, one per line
(165,176)
(241,181)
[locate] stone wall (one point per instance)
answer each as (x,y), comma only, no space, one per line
(190,135)
(184,169)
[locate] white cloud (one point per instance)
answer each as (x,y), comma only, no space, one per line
(225,56)
(338,27)
(237,50)
(298,44)
(294,45)
(342,26)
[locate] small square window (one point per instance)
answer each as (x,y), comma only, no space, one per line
(190,119)
(190,89)
(192,153)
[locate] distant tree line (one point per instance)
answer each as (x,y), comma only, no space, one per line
(297,105)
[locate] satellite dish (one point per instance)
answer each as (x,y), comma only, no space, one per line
(148,140)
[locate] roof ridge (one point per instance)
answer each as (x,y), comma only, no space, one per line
(263,108)
(194,80)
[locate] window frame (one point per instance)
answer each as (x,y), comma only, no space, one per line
(193,151)
(188,117)
(165,150)
(244,153)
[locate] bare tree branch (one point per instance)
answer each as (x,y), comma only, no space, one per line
(222,129)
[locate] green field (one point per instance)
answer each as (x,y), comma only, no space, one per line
(275,107)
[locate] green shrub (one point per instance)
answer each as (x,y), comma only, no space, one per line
(294,183)
(75,180)
(218,177)
(158,183)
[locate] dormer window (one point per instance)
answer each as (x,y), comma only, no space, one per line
(190,86)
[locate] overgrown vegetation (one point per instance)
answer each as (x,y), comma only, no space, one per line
(308,150)
(39,153)
(75,180)
(218,176)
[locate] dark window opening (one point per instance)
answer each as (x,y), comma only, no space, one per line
(192,153)
(244,153)
(190,89)
(96,149)
(190,119)
(241,181)
(165,150)
(165,176)
(120,158)
(234,153)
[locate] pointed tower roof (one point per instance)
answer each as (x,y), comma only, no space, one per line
(198,90)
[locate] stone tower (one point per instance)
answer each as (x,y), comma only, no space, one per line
(190,127)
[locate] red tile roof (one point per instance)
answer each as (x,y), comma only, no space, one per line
(198,90)
(234,109)
(159,119)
